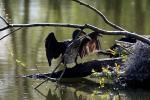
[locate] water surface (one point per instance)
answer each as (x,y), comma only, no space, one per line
(22,51)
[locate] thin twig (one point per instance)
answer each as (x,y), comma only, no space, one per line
(37,69)
(41,93)
(10,33)
(4,21)
(47,78)
(41,83)
(59,79)
(4,28)
(62,73)
(100,14)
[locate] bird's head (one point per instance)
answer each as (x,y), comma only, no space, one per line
(77,33)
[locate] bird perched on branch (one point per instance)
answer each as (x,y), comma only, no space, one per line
(54,48)
(80,45)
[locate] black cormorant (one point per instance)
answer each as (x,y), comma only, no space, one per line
(80,45)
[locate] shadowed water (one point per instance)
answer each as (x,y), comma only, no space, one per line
(22,51)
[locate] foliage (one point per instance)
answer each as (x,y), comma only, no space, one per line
(112,75)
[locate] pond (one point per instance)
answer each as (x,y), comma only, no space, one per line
(23,51)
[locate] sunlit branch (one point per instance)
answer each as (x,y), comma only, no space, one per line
(42,25)
(4,21)
(100,14)
(85,26)
(126,33)
(4,28)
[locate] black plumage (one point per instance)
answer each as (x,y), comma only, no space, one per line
(54,48)
(81,45)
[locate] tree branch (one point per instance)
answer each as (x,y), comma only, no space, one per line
(86,26)
(10,33)
(43,25)
(100,14)
(4,28)
(4,21)
(126,33)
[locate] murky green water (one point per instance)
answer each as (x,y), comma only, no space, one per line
(23,50)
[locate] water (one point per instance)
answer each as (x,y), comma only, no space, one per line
(22,51)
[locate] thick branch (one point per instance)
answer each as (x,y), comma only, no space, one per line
(126,33)
(101,15)
(4,28)
(88,26)
(43,25)
(82,69)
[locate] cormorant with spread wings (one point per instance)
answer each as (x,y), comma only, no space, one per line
(80,45)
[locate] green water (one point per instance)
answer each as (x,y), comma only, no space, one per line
(22,51)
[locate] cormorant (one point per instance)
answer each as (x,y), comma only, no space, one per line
(80,45)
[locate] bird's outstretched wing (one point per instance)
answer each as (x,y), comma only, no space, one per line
(73,48)
(81,46)
(53,47)
(95,41)
(91,45)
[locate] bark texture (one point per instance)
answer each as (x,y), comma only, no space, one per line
(81,70)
